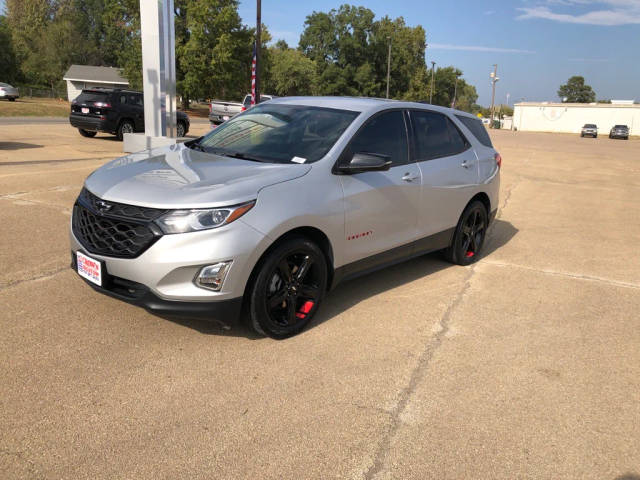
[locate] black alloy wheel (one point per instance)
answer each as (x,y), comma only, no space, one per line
(87,133)
(125,127)
(469,236)
(288,289)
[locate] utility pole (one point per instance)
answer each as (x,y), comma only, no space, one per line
(388,65)
(494,80)
(433,67)
(258,45)
(455,92)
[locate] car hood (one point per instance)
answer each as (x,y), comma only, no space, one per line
(179,177)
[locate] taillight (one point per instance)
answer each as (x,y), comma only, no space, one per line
(498,160)
(102,104)
(243,108)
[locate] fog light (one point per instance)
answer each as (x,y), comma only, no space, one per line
(212,277)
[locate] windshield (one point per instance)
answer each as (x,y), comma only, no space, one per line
(92,97)
(620,126)
(589,125)
(279,133)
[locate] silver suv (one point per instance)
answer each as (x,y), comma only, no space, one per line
(269,211)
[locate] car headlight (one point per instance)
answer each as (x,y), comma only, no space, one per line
(182,221)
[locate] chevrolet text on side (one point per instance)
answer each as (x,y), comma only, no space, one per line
(266,213)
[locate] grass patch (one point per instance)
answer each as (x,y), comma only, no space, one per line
(34,107)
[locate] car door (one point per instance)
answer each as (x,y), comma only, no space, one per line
(449,169)
(380,206)
(136,104)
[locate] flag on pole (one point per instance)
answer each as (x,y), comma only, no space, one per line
(253,76)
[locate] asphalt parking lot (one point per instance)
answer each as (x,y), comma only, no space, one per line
(526,365)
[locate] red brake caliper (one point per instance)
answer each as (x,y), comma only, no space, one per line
(304,309)
(469,254)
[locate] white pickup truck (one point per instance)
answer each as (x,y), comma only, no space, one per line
(221,111)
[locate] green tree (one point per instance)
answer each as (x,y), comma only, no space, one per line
(8,61)
(350,50)
(576,91)
(291,73)
(445,87)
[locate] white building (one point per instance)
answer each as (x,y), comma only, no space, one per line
(85,76)
(570,117)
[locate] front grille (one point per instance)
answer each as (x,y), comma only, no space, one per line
(114,229)
(122,210)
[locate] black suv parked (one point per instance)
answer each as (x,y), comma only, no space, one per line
(113,110)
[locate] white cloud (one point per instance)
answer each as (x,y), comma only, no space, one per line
(616,12)
(475,48)
(589,60)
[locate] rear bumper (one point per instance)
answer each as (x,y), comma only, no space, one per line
(223,312)
(92,124)
(214,118)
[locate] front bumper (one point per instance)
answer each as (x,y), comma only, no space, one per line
(163,276)
(224,312)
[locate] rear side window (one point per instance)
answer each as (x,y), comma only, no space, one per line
(92,97)
(478,130)
(135,100)
(436,136)
(384,134)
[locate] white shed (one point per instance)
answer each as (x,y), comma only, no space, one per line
(570,117)
(86,76)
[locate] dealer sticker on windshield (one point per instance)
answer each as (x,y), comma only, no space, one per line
(89,268)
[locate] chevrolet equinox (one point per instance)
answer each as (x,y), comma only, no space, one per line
(269,211)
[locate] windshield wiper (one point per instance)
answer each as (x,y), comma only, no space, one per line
(242,156)
(196,145)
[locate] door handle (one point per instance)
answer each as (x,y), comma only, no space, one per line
(465,164)
(410,177)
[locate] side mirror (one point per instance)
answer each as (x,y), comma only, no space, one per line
(365,162)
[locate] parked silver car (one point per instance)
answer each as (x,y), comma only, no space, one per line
(270,210)
(590,130)
(9,92)
(619,131)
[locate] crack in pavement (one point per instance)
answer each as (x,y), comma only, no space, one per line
(577,276)
(416,376)
(44,276)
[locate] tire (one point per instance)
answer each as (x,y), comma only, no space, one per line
(126,126)
(87,133)
(289,286)
(595,136)
(582,135)
(469,235)
(11,99)
(181,129)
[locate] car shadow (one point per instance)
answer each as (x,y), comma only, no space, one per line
(352,292)
(18,145)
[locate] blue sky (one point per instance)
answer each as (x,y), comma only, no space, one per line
(537,44)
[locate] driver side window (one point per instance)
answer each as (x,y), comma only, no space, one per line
(384,134)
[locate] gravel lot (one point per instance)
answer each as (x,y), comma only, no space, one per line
(526,365)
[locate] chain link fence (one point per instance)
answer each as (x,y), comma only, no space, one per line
(39,92)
